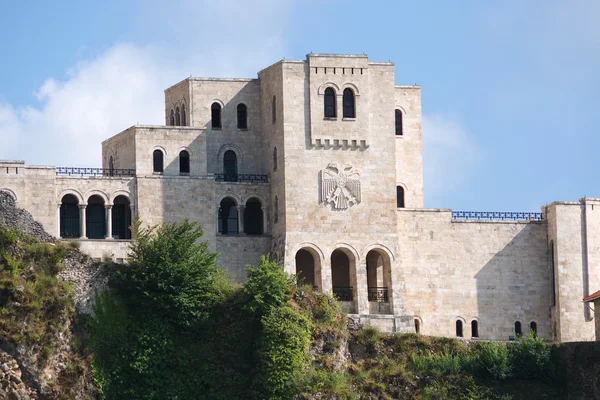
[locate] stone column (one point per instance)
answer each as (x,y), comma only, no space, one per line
(362,293)
(264,215)
(240,219)
(58,221)
(326,284)
(82,227)
(108,208)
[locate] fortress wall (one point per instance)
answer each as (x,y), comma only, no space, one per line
(495,272)
(122,148)
(237,252)
(178,95)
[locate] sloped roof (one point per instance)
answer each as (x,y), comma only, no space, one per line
(592,296)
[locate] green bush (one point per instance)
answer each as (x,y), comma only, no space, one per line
(317,380)
(530,357)
(368,336)
(282,351)
(436,364)
(491,359)
(267,287)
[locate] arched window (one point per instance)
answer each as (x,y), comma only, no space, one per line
(95,218)
(518,330)
(183,118)
(157,161)
(121,218)
(474,329)
(274,109)
(215,115)
(230,166)
(172,118)
(276,210)
(398,123)
(177,117)
(253,217)
(184,162)
(111,166)
(417,326)
(329,102)
(533,327)
(399,197)
(228,216)
(348,104)
(242,116)
(274,158)
(69,217)
(459,328)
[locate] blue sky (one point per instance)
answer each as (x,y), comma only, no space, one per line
(510,89)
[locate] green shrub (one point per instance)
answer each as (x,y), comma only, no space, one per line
(491,359)
(282,351)
(437,365)
(368,336)
(332,383)
(530,357)
(267,287)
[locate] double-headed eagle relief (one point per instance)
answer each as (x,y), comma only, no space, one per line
(340,186)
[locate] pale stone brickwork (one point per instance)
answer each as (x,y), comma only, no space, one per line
(320,194)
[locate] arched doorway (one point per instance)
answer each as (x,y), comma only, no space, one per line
(342,266)
(305,268)
(253,217)
(379,278)
(69,217)
(228,216)
(95,217)
(121,218)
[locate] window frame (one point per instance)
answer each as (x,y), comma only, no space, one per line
(347,95)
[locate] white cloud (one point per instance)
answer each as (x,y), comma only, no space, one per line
(449,157)
(122,86)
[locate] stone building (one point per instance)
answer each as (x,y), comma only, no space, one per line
(319,163)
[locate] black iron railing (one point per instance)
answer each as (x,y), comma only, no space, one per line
(379,294)
(495,215)
(74,171)
(344,293)
(253,178)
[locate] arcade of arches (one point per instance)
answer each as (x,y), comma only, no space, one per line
(345,284)
(249,218)
(94,219)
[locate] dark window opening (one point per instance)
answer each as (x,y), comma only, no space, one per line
(417,326)
(399,131)
(172,118)
(518,330)
(305,268)
(157,161)
(348,104)
(274,109)
(215,115)
(276,210)
(121,218)
(330,108)
(533,327)
(230,166)
(253,217)
(474,329)
(274,158)
(340,276)
(399,197)
(95,218)
(242,116)
(184,162)
(177,117)
(183,119)
(69,217)
(228,217)
(459,328)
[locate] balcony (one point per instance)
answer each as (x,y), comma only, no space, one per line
(249,178)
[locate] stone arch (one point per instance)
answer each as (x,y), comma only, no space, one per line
(96,192)
(313,248)
(253,216)
(248,196)
(236,149)
(321,90)
(73,192)
(120,192)
(401,109)
(463,326)
(378,246)
(157,147)
(227,216)
(182,148)
(344,260)
(351,86)
(308,269)
(346,247)
(218,101)
(418,322)
(476,327)
(234,196)
(11,193)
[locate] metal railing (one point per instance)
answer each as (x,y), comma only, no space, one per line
(344,293)
(497,216)
(253,178)
(379,294)
(75,171)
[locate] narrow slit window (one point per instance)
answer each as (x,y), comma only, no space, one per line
(242,116)
(172,118)
(474,329)
(518,330)
(274,158)
(399,130)
(274,109)
(215,115)
(177,117)
(183,118)
(399,197)
(459,328)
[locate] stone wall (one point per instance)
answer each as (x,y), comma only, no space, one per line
(237,252)
(493,272)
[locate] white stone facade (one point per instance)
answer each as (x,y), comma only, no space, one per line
(319,163)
